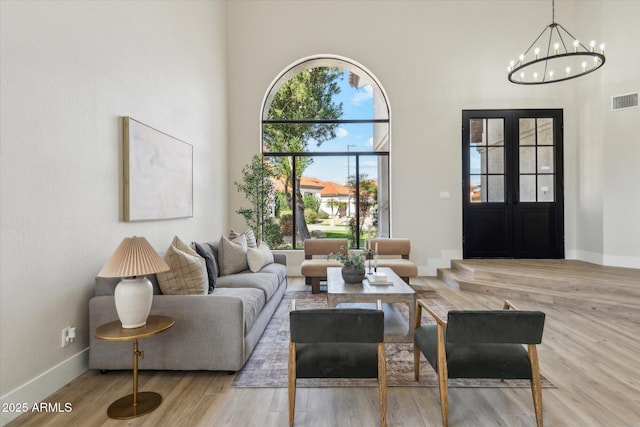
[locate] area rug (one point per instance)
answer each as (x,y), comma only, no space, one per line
(267,365)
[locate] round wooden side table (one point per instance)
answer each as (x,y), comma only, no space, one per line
(135,404)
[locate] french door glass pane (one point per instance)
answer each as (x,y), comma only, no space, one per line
(527,132)
(527,159)
(545,160)
(495,161)
(477,160)
(545,188)
(496,132)
(527,188)
(475,188)
(495,188)
(545,131)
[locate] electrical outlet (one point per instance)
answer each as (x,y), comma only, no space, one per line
(65,337)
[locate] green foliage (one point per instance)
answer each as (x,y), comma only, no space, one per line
(311,202)
(307,95)
(368,206)
(323,215)
(310,216)
(350,258)
(259,189)
(272,234)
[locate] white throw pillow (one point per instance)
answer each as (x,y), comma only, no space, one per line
(188,273)
(232,255)
(259,257)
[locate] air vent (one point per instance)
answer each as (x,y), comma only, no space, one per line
(621,102)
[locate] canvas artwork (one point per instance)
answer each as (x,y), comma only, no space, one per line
(158,174)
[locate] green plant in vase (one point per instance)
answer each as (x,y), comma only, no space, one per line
(352,265)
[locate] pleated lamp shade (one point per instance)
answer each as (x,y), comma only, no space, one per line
(132,260)
(134,257)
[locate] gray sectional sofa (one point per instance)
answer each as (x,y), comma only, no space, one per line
(214,332)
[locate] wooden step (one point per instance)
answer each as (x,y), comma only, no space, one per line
(566,283)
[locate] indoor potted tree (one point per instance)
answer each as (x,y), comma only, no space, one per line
(258,186)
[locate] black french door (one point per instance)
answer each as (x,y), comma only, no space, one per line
(512,179)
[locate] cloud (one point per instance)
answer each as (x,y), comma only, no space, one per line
(370,142)
(341,132)
(362,95)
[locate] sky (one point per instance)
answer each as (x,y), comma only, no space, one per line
(356,104)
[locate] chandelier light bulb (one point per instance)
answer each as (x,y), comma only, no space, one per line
(584,66)
(593,45)
(536,51)
(576,44)
(551,75)
(535,77)
(568,70)
(521,57)
(556,47)
(601,48)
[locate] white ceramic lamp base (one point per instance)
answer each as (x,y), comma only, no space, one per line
(133,299)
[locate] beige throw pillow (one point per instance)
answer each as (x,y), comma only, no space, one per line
(249,234)
(188,274)
(259,257)
(232,255)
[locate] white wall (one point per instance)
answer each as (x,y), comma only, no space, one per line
(434,59)
(69,71)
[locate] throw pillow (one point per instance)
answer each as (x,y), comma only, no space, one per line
(188,273)
(249,234)
(259,257)
(232,255)
(205,252)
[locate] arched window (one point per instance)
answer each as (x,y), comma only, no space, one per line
(326,129)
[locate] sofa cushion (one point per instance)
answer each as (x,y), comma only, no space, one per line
(248,234)
(206,252)
(253,300)
(188,273)
(280,270)
(267,282)
(402,267)
(317,267)
(232,255)
(259,257)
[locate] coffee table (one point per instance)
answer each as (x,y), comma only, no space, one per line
(396,327)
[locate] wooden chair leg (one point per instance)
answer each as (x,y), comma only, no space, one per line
(382,383)
(443,377)
(536,386)
(416,361)
(315,285)
(292,382)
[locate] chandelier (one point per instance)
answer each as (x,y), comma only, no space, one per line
(565,57)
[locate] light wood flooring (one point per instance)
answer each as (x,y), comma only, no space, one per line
(592,357)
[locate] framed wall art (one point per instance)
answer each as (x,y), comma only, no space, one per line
(158,174)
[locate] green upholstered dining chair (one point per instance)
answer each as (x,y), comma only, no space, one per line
(481,344)
(337,343)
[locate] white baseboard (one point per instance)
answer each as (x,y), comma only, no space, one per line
(38,388)
(586,256)
(621,261)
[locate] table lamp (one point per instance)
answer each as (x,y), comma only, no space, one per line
(132,260)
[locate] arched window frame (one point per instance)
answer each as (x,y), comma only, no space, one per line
(382,116)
